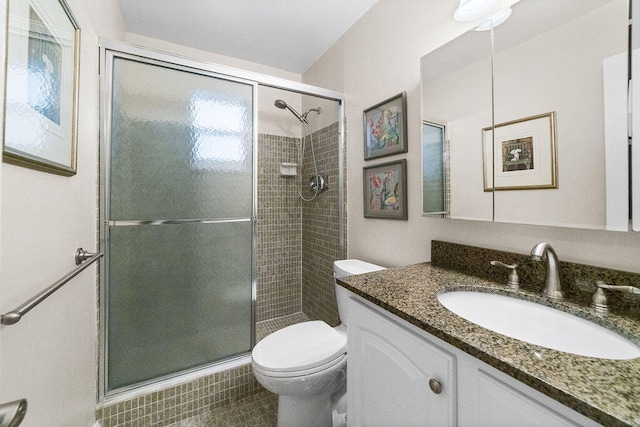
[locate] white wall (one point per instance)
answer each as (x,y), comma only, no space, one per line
(49,357)
(380,57)
(210,57)
(272,120)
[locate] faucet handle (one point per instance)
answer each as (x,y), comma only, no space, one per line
(599,299)
(513,282)
(626,289)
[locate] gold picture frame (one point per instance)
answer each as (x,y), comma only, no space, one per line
(522,155)
(41,102)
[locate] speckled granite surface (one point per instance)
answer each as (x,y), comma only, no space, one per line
(578,280)
(607,391)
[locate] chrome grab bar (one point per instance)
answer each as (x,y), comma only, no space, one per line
(14,316)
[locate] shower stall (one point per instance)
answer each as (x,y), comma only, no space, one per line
(203,234)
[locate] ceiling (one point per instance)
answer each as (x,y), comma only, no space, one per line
(286,34)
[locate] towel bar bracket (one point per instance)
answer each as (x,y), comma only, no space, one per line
(14,316)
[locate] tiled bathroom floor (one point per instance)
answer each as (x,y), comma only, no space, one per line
(257,410)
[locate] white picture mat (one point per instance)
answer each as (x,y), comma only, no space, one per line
(27,131)
(541,130)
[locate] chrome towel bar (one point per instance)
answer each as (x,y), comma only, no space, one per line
(12,317)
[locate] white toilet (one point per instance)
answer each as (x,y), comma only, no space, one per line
(306,364)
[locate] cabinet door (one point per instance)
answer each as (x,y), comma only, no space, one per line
(388,374)
(490,398)
(501,405)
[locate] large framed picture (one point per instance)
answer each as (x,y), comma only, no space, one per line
(524,154)
(385,190)
(385,128)
(42,86)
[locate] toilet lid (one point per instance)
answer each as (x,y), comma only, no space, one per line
(298,347)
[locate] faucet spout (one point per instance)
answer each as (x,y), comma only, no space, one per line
(544,252)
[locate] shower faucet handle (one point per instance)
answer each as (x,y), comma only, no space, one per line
(514,281)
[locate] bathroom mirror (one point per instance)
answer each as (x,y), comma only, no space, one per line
(566,58)
(456,105)
(634,150)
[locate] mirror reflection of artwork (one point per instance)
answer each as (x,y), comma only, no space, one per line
(524,155)
(517,154)
(45,69)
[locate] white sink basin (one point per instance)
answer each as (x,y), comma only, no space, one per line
(539,324)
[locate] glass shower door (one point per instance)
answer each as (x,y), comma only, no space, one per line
(179,221)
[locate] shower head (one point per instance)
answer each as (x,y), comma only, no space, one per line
(284,106)
(306,113)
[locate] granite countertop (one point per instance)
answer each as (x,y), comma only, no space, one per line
(607,391)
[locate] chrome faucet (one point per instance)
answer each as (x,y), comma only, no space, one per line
(544,252)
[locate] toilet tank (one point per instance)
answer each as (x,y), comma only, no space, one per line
(345,268)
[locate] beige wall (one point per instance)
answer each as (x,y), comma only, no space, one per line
(380,57)
(210,57)
(49,357)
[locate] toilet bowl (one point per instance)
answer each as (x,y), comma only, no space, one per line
(306,364)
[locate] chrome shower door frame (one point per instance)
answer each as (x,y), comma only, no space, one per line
(108,57)
(109,50)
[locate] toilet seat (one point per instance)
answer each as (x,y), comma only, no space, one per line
(300,349)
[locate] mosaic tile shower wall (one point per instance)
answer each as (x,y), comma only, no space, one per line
(320,230)
(297,241)
(279,230)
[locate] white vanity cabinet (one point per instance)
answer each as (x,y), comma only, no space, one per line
(391,363)
(395,377)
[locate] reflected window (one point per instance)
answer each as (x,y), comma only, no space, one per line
(435,183)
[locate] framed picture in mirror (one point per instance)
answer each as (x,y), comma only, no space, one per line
(523,152)
(385,128)
(40,122)
(385,190)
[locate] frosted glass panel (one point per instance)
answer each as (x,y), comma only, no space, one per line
(181,144)
(179,293)
(179,297)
